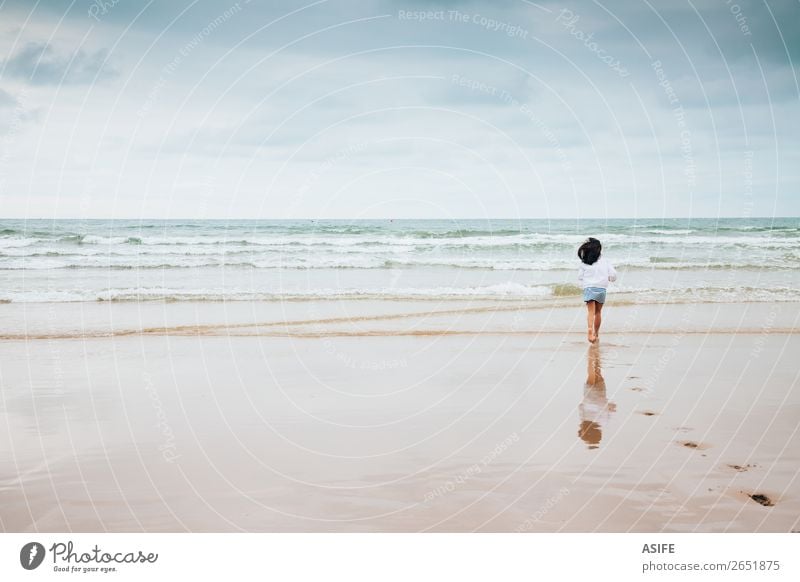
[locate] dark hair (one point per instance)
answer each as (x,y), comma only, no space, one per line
(591,433)
(589,251)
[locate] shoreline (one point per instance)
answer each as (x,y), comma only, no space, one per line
(54,321)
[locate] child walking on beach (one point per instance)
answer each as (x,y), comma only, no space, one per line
(594,275)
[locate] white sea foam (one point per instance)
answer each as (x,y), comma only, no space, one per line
(503,291)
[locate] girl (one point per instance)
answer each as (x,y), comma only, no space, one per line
(594,275)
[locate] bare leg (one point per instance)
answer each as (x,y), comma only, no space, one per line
(590,313)
(598,319)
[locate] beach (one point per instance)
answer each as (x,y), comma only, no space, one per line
(401,415)
(410,375)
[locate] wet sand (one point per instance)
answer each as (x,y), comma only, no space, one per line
(368,416)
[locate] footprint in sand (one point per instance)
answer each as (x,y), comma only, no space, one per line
(742,468)
(693,445)
(761,499)
(636,389)
(647,413)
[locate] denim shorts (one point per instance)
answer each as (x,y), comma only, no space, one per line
(594,294)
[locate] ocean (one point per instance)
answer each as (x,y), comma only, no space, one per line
(659,260)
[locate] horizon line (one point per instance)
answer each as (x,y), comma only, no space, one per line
(412,218)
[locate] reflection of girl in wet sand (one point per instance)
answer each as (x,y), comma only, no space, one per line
(595,409)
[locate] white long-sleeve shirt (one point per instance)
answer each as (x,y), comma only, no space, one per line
(600,274)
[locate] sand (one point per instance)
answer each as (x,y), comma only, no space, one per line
(399,416)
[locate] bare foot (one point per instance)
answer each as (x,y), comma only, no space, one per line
(592,336)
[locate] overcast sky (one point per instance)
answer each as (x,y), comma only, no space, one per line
(377,108)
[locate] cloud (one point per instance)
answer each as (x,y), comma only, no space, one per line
(13,115)
(40,64)
(6,100)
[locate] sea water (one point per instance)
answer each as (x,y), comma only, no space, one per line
(659,260)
